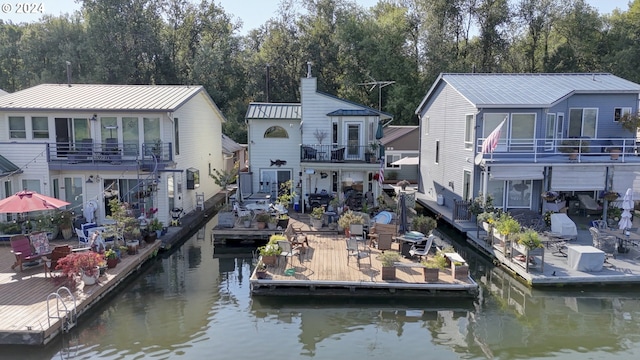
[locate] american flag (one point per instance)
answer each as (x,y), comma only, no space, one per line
(491,142)
(381,172)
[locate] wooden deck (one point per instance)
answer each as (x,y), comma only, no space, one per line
(23,296)
(325,269)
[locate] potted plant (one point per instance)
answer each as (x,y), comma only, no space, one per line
(423,224)
(530,240)
(156,226)
(573,147)
(506,226)
(347,218)
(373,149)
(112,258)
(609,195)
(432,267)
(245,220)
(84,265)
(316,217)
(262,219)
(283,221)
(10,228)
(261,270)
(64,219)
(630,122)
(459,270)
(273,223)
(388,260)
(269,253)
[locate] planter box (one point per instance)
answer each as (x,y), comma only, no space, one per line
(316,223)
(431,275)
(388,273)
(460,272)
(269,260)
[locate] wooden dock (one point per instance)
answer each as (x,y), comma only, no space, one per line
(25,318)
(324,270)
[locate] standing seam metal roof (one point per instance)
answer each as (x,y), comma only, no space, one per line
(530,90)
(270,111)
(100,97)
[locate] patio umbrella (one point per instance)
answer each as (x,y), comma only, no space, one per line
(379,132)
(402,227)
(627,205)
(26,201)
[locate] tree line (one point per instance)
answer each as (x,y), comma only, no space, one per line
(409,42)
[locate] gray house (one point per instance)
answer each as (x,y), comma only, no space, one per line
(539,117)
(402,145)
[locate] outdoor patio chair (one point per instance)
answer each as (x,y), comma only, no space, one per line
(606,243)
(354,250)
(417,250)
(83,240)
(51,261)
(288,251)
(337,155)
(309,153)
(357,231)
(23,250)
(588,205)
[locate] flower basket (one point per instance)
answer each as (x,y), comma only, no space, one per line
(609,195)
(550,195)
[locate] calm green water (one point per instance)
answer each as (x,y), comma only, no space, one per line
(195,304)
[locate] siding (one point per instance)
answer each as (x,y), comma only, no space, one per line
(200,145)
(262,151)
(446,111)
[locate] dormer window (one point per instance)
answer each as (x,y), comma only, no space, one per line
(276,132)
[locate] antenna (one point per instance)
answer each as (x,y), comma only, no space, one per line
(267,82)
(380,85)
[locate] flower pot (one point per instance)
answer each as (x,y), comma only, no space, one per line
(90,280)
(261,274)
(150,238)
(271,225)
(283,223)
(67,233)
(158,233)
(316,223)
(431,274)
(573,155)
(388,273)
(269,259)
(132,247)
(615,154)
(261,225)
(112,262)
(247,223)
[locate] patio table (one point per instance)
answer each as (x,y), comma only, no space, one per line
(585,258)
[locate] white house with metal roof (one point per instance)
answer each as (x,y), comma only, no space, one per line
(545,115)
(323,144)
(150,145)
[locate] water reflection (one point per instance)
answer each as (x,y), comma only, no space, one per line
(194,303)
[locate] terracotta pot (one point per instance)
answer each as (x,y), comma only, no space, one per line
(269,259)
(261,225)
(111,263)
(615,154)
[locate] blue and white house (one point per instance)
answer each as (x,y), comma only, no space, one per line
(544,115)
(323,144)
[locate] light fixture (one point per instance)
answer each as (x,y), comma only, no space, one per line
(90,179)
(94,117)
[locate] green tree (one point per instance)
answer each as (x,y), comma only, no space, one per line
(224,178)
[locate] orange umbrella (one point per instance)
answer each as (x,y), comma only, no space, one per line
(26,201)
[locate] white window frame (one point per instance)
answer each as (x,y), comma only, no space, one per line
(619,112)
(15,133)
(394,158)
(468,132)
(425,123)
(582,123)
(37,133)
(521,144)
(551,124)
(491,124)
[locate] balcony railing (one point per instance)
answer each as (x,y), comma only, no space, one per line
(558,150)
(337,153)
(88,151)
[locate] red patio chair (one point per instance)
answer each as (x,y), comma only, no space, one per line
(22,249)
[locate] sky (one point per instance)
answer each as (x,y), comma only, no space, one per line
(253,13)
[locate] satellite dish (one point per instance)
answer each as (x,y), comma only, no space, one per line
(478,159)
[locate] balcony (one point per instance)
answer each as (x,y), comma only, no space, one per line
(337,154)
(569,150)
(87,155)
